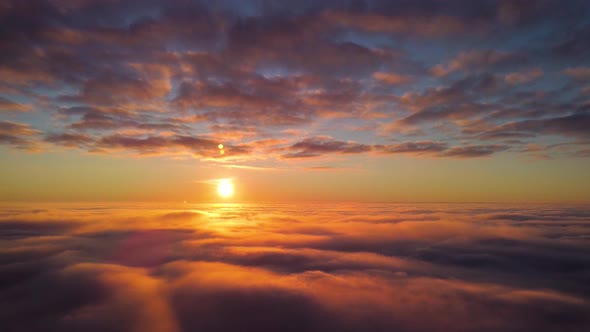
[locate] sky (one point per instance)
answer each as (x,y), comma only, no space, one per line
(373,101)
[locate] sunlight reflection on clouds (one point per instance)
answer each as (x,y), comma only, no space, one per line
(342,267)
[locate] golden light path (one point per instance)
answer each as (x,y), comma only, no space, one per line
(225,188)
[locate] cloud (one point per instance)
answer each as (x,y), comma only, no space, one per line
(422,71)
(17,135)
(106,119)
(574,45)
(429,25)
(523,77)
(252,101)
(7,105)
(198,146)
(272,41)
(474,151)
(69,140)
(572,125)
(337,269)
(475,60)
(458,101)
(316,146)
(391,78)
(578,73)
(422,147)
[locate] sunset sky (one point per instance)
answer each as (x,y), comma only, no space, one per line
(380,101)
(296,166)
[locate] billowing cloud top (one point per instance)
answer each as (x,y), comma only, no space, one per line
(296,79)
(407,268)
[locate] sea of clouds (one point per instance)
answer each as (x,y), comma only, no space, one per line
(339,267)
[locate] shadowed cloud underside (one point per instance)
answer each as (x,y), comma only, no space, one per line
(169,78)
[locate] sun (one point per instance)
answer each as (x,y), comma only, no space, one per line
(225,188)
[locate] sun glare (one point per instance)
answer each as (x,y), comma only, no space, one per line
(225,188)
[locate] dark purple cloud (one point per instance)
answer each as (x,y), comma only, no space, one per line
(498,73)
(474,151)
(18,135)
(574,125)
(319,146)
(316,146)
(422,147)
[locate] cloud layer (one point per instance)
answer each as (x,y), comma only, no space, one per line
(308,268)
(377,77)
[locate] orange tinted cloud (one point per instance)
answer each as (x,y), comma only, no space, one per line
(391,78)
(260,268)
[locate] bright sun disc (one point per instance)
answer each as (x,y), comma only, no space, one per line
(225,188)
